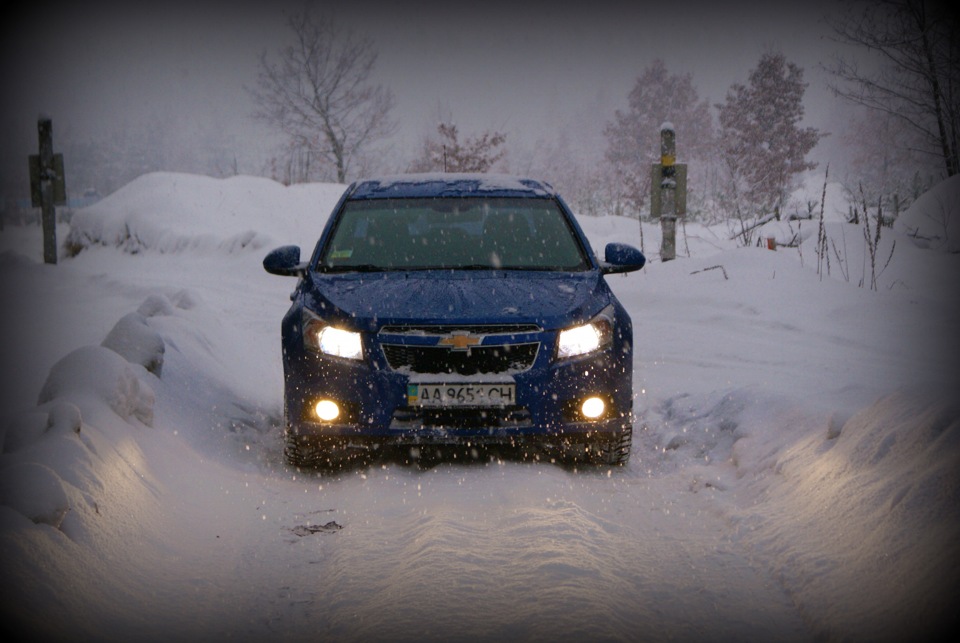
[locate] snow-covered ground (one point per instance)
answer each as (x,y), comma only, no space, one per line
(795,476)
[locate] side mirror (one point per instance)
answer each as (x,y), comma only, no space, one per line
(620,257)
(284,261)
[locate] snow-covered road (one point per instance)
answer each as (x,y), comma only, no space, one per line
(510,551)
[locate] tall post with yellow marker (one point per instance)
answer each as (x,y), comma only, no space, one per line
(668,191)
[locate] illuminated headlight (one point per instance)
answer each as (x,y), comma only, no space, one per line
(331,340)
(593,408)
(327,410)
(588,338)
(340,343)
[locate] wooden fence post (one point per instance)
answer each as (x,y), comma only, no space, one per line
(47,187)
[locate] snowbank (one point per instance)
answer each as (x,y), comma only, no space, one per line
(875,496)
(173,213)
(933,220)
(75,459)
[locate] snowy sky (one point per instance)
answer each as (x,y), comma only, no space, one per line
(528,69)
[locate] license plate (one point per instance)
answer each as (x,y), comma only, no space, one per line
(461,395)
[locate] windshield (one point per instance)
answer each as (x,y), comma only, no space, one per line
(465,233)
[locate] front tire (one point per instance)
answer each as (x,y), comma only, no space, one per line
(602,449)
(616,451)
(302,452)
(323,453)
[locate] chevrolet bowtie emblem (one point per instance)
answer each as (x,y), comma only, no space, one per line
(461,340)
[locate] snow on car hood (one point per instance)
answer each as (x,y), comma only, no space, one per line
(552,300)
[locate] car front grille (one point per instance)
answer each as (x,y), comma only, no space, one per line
(501,358)
(489,329)
(506,348)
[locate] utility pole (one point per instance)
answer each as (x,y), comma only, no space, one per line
(47,187)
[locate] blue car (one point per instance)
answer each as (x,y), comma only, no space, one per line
(455,309)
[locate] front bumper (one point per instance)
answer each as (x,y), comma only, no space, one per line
(376,408)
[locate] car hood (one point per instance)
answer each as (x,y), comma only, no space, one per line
(367,301)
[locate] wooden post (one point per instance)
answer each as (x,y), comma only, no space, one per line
(48,212)
(47,188)
(668,189)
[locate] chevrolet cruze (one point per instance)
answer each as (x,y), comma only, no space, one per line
(455,309)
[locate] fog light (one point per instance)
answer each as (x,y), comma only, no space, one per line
(593,407)
(327,410)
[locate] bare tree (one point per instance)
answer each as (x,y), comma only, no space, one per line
(917,43)
(449,154)
(887,163)
(317,92)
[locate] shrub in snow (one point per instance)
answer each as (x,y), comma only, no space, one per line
(58,417)
(155,305)
(35,491)
(134,340)
(25,429)
(98,374)
(63,418)
(185,300)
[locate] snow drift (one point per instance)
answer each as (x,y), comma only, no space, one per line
(173,213)
(933,221)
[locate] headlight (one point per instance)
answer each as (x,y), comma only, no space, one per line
(593,408)
(588,338)
(330,340)
(327,410)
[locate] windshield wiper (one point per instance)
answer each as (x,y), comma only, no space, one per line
(366,267)
(363,267)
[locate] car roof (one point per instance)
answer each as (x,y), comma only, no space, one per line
(449,185)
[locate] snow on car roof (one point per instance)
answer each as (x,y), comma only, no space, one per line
(448,184)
